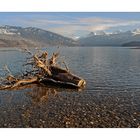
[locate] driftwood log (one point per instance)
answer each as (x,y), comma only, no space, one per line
(43,70)
(63,78)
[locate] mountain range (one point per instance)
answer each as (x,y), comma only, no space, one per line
(32,36)
(117,38)
(36,37)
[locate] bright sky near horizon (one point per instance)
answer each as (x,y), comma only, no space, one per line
(73,24)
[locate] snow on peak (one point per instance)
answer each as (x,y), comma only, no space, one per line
(136,31)
(100,33)
(7,32)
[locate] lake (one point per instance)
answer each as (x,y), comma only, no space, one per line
(111,97)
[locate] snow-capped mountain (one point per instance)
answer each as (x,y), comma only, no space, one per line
(40,37)
(9,30)
(136,31)
(116,38)
(36,35)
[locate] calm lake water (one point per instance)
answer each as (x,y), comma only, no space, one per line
(111,97)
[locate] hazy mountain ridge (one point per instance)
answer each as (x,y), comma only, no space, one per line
(36,35)
(15,36)
(133,43)
(112,39)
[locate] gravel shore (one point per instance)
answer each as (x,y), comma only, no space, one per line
(48,107)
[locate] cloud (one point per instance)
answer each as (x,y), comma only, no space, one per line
(92,25)
(109,25)
(68,25)
(97,20)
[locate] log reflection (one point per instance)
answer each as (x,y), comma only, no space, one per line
(40,94)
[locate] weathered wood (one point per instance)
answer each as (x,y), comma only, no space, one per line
(62,75)
(17,83)
(41,65)
(44,70)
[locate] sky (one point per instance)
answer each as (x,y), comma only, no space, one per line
(73,24)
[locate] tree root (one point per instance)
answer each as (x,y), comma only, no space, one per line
(42,68)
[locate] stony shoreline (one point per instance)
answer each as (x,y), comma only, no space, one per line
(45,107)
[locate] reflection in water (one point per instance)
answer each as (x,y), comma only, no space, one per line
(44,102)
(33,106)
(40,94)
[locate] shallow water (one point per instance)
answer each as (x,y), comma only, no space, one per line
(111,97)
